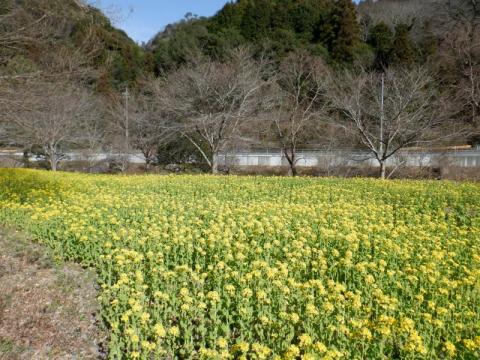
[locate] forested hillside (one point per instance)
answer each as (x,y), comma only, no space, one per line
(374,33)
(61,36)
(443,36)
(380,76)
(326,28)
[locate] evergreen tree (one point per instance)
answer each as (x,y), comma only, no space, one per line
(179,44)
(339,31)
(381,40)
(428,45)
(403,49)
(326,27)
(304,17)
(256,19)
(230,16)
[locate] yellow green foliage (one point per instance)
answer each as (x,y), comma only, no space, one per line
(266,268)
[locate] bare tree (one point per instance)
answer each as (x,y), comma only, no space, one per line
(463,11)
(211,100)
(138,122)
(466,51)
(93,142)
(37,27)
(8,102)
(298,103)
(52,117)
(393,13)
(460,49)
(388,112)
(18,30)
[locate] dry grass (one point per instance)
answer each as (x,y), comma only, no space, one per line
(47,311)
(418,173)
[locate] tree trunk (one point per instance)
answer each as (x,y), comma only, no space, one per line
(215,163)
(383,169)
(148,154)
(292,170)
(148,161)
(26,159)
(52,157)
(292,161)
(53,163)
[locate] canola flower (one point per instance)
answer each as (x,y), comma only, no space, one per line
(203,267)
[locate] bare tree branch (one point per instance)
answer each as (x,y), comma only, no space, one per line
(410,114)
(211,100)
(52,117)
(298,102)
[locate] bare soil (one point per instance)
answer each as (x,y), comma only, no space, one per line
(47,310)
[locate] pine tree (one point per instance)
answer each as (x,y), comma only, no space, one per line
(230,16)
(403,49)
(339,31)
(304,17)
(381,40)
(256,19)
(428,45)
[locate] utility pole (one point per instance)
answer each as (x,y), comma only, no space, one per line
(127,132)
(382,113)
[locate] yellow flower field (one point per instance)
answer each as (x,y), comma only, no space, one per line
(203,267)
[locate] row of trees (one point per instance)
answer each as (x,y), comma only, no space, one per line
(208,104)
(441,35)
(216,106)
(326,28)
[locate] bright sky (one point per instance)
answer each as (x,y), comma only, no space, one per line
(142,19)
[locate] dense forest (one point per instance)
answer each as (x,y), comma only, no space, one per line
(441,35)
(340,32)
(307,58)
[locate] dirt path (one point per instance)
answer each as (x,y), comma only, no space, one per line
(46,311)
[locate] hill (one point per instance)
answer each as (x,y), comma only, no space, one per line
(327,28)
(337,30)
(443,36)
(65,35)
